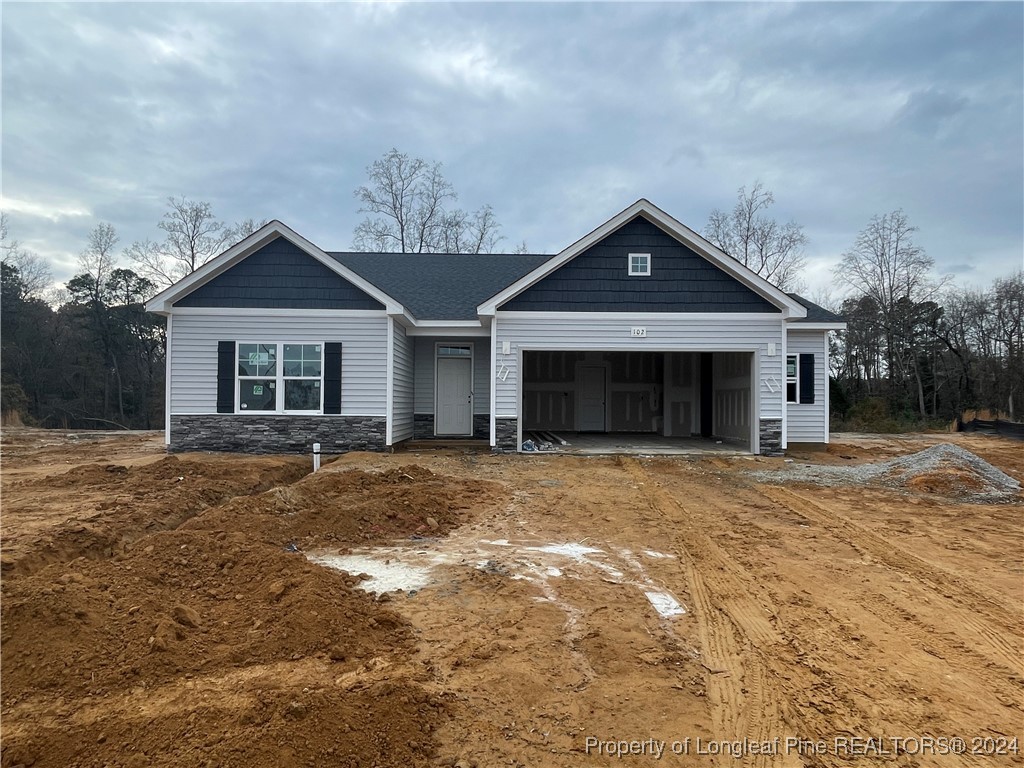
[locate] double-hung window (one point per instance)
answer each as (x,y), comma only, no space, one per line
(792,379)
(280,377)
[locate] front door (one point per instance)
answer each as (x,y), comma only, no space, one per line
(592,408)
(454,415)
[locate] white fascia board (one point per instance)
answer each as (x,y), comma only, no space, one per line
(790,307)
(816,327)
(617,347)
(163,301)
(449,328)
(276,312)
(764,317)
(447,323)
(451,333)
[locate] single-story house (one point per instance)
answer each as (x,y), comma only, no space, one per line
(640,327)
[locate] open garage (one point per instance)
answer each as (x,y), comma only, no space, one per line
(682,399)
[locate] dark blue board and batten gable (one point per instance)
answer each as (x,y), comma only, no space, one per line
(280,275)
(597,280)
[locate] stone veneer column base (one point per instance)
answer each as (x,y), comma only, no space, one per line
(272,433)
(423,426)
(771,437)
(506,435)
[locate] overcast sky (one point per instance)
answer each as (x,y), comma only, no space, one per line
(558,115)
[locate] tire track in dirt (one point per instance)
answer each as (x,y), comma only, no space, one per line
(835,673)
(984,610)
(733,629)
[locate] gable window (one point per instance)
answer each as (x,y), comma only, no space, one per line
(639,264)
(280,378)
(792,380)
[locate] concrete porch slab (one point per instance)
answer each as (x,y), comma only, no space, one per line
(628,443)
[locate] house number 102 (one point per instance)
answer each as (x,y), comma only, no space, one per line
(638,333)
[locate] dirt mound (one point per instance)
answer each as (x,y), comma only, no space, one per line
(943,469)
(185,602)
(219,642)
(335,507)
(946,482)
(385,724)
(950,470)
(113,505)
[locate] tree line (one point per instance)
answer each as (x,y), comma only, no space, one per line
(88,355)
(917,348)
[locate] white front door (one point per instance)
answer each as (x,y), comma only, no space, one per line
(454,414)
(591,400)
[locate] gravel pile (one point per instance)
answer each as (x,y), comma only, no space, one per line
(946,469)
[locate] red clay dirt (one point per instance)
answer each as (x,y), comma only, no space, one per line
(181,626)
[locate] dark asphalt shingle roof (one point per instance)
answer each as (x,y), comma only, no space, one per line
(440,286)
(815,313)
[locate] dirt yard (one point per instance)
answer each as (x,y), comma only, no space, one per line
(509,610)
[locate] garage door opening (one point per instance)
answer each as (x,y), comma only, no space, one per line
(658,402)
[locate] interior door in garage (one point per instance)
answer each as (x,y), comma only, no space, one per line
(592,399)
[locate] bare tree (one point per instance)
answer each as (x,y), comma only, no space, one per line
(885,263)
(407,201)
(98,259)
(192,236)
(772,250)
(886,266)
(242,229)
(33,271)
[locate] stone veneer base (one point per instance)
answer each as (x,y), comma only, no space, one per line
(274,433)
(423,427)
(506,434)
(771,437)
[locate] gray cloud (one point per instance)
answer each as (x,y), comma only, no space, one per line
(557,115)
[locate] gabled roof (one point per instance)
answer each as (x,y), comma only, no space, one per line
(818,314)
(790,307)
(462,287)
(440,286)
(163,301)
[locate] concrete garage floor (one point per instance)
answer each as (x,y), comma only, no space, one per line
(636,443)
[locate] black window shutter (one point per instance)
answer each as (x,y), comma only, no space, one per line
(225,377)
(332,377)
(806,379)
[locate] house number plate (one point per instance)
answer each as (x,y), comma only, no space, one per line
(638,333)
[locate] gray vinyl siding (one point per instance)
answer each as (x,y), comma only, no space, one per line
(597,280)
(580,331)
(425,360)
(403,384)
(363,356)
(806,423)
(279,275)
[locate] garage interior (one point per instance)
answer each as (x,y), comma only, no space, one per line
(657,402)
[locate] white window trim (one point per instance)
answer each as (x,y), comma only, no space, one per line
(637,272)
(279,379)
(795,380)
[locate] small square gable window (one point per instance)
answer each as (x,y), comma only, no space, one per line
(639,264)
